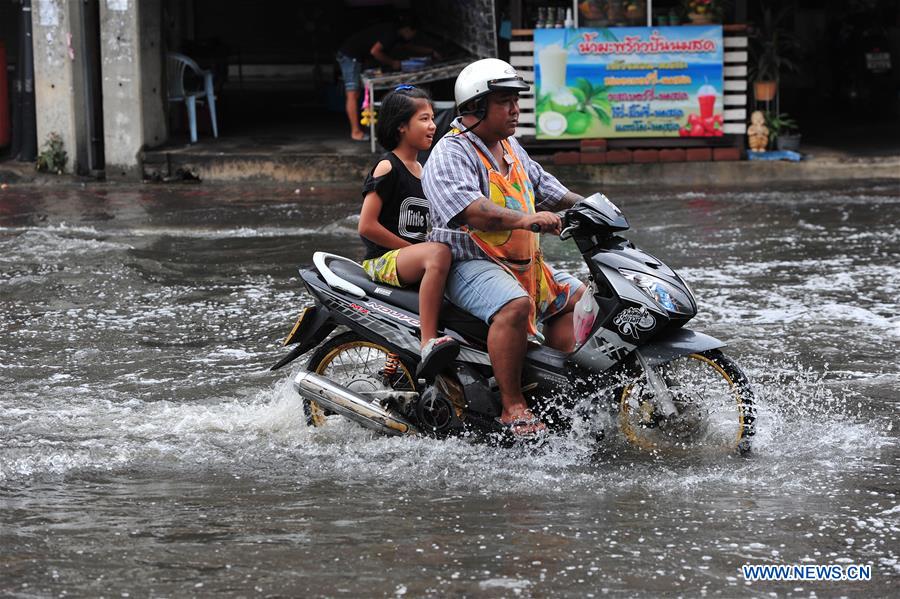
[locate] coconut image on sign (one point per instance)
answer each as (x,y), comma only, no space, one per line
(572,110)
(562,109)
(552,123)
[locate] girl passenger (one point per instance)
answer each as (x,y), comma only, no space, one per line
(393,222)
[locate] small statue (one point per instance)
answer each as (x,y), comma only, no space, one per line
(757,132)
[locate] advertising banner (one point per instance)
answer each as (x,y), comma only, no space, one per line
(628,82)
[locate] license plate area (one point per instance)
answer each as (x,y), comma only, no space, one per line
(294,335)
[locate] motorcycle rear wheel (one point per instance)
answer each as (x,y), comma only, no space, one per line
(358,364)
(715,407)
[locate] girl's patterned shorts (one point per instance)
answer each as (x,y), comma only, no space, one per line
(383,269)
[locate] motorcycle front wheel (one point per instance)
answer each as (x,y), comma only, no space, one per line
(714,407)
(361,366)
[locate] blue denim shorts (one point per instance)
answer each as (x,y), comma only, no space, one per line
(351,69)
(482,287)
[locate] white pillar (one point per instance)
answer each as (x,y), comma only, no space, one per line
(57,81)
(132,76)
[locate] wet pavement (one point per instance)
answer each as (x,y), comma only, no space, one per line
(145,449)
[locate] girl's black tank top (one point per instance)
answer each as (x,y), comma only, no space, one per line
(404,209)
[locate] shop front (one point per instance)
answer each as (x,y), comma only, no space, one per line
(660,80)
(275,64)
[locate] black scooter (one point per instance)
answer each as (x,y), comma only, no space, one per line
(669,387)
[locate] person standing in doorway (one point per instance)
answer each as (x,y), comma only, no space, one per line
(374,42)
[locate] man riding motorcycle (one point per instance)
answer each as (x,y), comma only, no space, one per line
(670,388)
(488,199)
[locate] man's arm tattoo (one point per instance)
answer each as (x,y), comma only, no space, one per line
(483,214)
(494,215)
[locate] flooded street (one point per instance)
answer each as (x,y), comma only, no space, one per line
(146,450)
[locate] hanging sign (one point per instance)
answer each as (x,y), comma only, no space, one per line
(628,82)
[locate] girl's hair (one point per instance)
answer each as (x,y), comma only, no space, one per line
(397,108)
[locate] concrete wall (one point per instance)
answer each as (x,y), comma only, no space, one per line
(153,83)
(132,79)
(132,75)
(469,23)
(56,81)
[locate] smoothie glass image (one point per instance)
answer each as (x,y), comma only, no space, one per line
(552,61)
(707,123)
(706,96)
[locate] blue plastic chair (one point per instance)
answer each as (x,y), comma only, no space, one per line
(177,65)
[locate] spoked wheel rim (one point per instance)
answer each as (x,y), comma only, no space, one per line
(360,366)
(715,409)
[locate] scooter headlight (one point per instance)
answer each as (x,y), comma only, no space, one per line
(663,293)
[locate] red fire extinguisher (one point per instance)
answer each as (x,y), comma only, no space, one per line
(4,99)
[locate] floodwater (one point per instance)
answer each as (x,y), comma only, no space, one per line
(146,450)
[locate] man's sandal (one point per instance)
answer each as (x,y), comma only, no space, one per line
(509,428)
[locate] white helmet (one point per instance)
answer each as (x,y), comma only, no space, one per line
(485,76)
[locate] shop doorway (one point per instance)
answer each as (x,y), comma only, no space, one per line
(845,90)
(277,82)
(19,141)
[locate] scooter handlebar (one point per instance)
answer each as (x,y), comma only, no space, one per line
(536,228)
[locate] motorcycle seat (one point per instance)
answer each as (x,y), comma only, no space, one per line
(402,297)
(407,298)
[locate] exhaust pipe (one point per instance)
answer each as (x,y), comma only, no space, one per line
(352,405)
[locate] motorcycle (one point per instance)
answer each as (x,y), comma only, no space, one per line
(670,388)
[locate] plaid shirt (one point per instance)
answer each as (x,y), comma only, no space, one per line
(454,177)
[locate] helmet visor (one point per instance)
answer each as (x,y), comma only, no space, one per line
(510,84)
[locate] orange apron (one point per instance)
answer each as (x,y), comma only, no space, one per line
(518,251)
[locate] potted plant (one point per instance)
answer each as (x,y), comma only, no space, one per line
(784,132)
(54,157)
(772,45)
(704,12)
